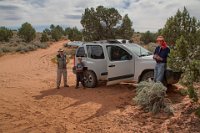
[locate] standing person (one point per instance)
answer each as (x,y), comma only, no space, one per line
(160,55)
(79,72)
(62,68)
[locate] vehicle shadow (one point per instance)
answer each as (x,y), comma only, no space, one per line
(111,98)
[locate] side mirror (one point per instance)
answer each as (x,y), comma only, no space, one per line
(130,57)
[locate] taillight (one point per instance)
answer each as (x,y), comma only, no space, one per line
(74,60)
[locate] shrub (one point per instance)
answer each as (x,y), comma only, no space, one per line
(1,52)
(31,47)
(197,112)
(56,34)
(5,34)
(151,96)
(148,37)
(7,49)
(22,49)
(27,32)
(42,45)
(44,37)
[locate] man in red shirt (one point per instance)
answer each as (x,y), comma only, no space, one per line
(160,55)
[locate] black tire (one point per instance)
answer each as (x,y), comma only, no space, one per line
(90,79)
(149,75)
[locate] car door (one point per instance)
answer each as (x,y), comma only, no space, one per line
(120,65)
(96,60)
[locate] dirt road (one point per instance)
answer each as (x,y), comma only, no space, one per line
(29,101)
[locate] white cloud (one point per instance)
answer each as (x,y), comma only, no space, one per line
(145,14)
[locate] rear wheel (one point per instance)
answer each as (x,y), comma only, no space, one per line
(147,76)
(90,79)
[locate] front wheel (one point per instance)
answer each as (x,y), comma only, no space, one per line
(147,76)
(90,79)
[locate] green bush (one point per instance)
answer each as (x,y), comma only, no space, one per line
(148,37)
(151,96)
(44,37)
(183,92)
(1,52)
(5,34)
(27,32)
(197,112)
(56,34)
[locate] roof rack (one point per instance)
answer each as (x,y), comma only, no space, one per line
(112,41)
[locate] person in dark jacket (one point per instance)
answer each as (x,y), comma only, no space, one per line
(62,68)
(160,56)
(79,72)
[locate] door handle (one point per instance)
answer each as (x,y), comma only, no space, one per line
(111,66)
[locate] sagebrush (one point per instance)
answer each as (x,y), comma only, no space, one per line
(151,96)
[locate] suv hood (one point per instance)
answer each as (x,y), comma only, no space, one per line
(149,57)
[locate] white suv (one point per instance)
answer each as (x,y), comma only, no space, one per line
(114,62)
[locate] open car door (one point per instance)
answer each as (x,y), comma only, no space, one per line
(120,65)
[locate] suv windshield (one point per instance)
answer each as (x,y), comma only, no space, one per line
(138,50)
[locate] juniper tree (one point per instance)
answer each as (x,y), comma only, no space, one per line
(44,37)
(105,23)
(183,31)
(56,32)
(27,32)
(73,34)
(126,28)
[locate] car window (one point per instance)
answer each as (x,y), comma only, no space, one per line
(138,50)
(95,52)
(80,52)
(116,53)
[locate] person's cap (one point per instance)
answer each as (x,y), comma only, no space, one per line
(60,50)
(160,38)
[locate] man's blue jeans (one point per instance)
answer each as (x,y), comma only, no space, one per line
(159,72)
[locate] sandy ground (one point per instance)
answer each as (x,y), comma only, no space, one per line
(29,102)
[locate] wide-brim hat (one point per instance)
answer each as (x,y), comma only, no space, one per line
(60,50)
(160,38)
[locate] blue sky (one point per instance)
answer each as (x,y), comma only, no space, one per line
(145,14)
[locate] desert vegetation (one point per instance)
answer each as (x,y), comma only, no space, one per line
(26,38)
(104,23)
(30,103)
(151,96)
(182,33)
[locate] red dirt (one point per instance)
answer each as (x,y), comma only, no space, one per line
(30,103)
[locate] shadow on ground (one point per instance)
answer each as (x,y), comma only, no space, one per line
(109,97)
